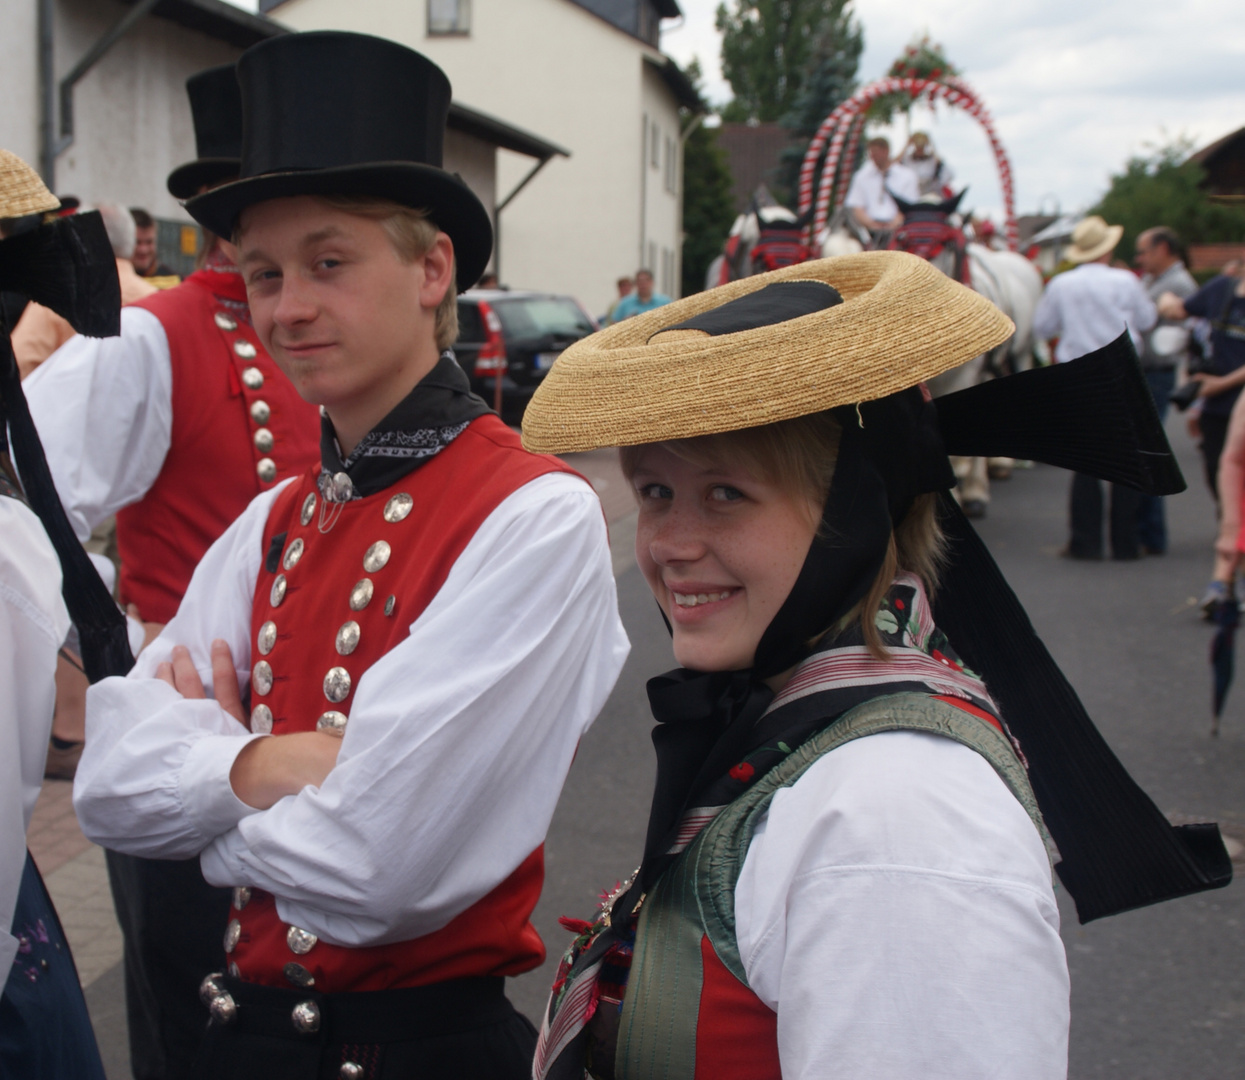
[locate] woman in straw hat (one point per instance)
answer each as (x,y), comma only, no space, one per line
(845,871)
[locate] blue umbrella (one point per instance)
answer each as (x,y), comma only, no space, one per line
(1227,616)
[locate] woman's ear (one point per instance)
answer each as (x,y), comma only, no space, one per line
(438,265)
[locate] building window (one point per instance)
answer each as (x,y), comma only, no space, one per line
(449,16)
(654,146)
(672,167)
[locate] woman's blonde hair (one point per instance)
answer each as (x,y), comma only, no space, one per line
(798,456)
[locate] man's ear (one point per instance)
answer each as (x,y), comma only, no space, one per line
(438,263)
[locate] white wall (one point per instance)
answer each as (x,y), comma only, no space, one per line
(132,118)
(556,70)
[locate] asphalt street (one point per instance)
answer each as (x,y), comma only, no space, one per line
(1157,994)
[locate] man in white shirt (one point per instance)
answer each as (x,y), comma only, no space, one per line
(869,197)
(1087,308)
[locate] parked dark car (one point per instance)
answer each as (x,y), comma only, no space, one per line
(520,333)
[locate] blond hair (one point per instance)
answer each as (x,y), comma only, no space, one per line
(798,457)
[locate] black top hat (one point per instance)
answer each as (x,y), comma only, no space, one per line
(331,113)
(216,105)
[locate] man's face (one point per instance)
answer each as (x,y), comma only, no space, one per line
(342,315)
(144,248)
(644,285)
(624,287)
(1150,257)
(880,155)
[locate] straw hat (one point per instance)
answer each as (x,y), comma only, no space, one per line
(1092,239)
(21,190)
(901,322)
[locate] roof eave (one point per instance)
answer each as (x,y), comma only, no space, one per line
(464,119)
(680,85)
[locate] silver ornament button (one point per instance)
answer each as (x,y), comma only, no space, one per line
(261,677)
(210,988)
(247,351)
(347,638)
(233,934)
(300,941)
(376,556)
(332,723)
(361,594)
(234,970)
(398,507)
(264,441)
(267,637)
(298,975)
(309,508)
(341,488)
(277,593)
(267,469)
(293,553)
(223,1009)
(225,322)
(306,1017)
(252,377)
(241,897)
(337,684)
(350,1070)
(260,412)
(390,604)
(261,720)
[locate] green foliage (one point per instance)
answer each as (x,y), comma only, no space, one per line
(708,205)
(1162,188)
(922,59)
(767,50)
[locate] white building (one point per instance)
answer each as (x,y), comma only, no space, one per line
(587,75)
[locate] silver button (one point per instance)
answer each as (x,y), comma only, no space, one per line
(277,593)
(225,322)
(261,720)
(309,508)
(247,351)
(337,684)
(260,412)
(361,594)
(299,975)
(261,677)
(233,934)
(267,637)
(241,897)
(306,1017)
(376,557)
(234,970)
(264,440)
(267,469)
(293,553)
(300,941)
(341,488)
(389,605)
(332,723)
(347,638)
(223,1009)
(398,507)
(350,1070)
(210,988)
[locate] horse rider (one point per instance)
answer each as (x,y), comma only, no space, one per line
(933,175)
(869,199)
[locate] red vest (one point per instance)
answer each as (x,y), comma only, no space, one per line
(239,426)
(329,611)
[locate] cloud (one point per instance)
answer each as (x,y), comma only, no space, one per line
(1075,89)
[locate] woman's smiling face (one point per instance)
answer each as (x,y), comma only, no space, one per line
(721,550)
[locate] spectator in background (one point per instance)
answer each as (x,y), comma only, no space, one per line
(869,197)
(40,331)
(933,174)
(1158,254)
(488,281)
(1086,308)
(146,263)
(640,301)
(625,285)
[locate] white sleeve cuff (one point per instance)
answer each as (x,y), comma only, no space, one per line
(206,792)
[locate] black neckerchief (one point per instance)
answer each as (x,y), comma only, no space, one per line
(418,428)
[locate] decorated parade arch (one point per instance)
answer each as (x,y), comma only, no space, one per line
(838,139)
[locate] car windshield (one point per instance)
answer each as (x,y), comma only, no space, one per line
(541,316)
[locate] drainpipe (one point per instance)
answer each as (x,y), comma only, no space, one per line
(53,144)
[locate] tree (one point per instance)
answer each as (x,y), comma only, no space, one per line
(766,49)
(708,205)
(1163,188)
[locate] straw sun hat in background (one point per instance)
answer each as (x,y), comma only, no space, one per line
(21,190)
(1092,239)
(900,322)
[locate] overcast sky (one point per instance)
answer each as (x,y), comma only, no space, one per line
(1075,88)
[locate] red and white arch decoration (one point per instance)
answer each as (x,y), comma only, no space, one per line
(841,130)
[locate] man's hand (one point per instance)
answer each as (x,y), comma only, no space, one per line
(180,674)
(269,769)
(1171,306)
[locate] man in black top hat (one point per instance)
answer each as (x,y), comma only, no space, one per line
(385,843)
